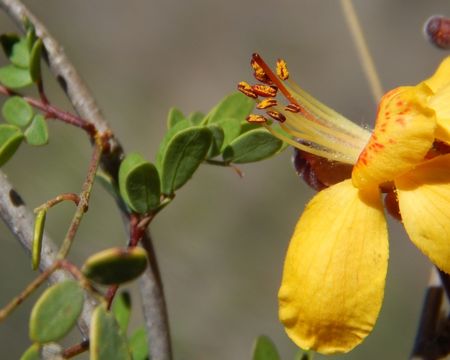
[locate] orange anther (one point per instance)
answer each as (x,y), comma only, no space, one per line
(267,103)
(246,89)
(265,90)
(276,115)
(294,108)
(282,70)
(256,119)
(259,73)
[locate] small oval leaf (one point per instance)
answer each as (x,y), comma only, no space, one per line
(8,40)
(115,265)
(37,238)
(121,308)
(184,154)
(217,140)
(10,139)
(35,61)
(32,353)
(14,77)
(236,106)
(138,344)
(56,312)
(174,117)
(181,125)
(196,118)
(252,146)
(17,111)
(20,55)
(37,133)
(265,349)
(139,183)
(231,129)
(107,342)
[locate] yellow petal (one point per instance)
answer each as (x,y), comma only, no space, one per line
(424,199)
(441,78)
(440,103)
(403,134)
(335,269)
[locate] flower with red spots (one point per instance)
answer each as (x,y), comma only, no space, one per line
(335,268)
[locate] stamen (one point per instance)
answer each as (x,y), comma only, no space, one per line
(276,116)
(256,119)
(293,108)
(265,90)
(259,73)
(282,70)
(246,89)
(267,103)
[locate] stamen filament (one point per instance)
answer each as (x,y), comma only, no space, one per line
(310,149)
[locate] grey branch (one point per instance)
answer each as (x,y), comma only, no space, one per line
(20,221)
(83,102)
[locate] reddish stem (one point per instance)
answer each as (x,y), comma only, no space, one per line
(53,112)
(76,349)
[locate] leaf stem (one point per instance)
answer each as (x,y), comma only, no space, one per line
(52,112)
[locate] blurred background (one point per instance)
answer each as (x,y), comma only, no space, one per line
(221,243)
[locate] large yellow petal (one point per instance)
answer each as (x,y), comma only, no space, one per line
(424,200)
(403,134)
(441,78)
(440,103)
(439,84)
(335,269)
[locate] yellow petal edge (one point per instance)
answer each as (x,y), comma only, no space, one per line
(424,200)
(335,270)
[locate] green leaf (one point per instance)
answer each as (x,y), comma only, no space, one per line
(35,61)
(31,35)
(121,308)
(236,106)
(181,125)
(231,129)
(107,342)
(265,349)
(17,111)
(14,77)
(139,183)
(174,117)
(32,353)
(8,40)
(37,238)
(20,55)
(196,118)
(252,146)
(138,345)
(37,133)
(246,126)
(184,154)
(115,265)
(217,140)
(10,139)
(56,312)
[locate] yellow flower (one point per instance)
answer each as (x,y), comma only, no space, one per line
(335,268)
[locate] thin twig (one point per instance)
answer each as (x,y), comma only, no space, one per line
(20,221)
(76,349)
(84,197)
(27,291)
(86,107)
(51,111)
